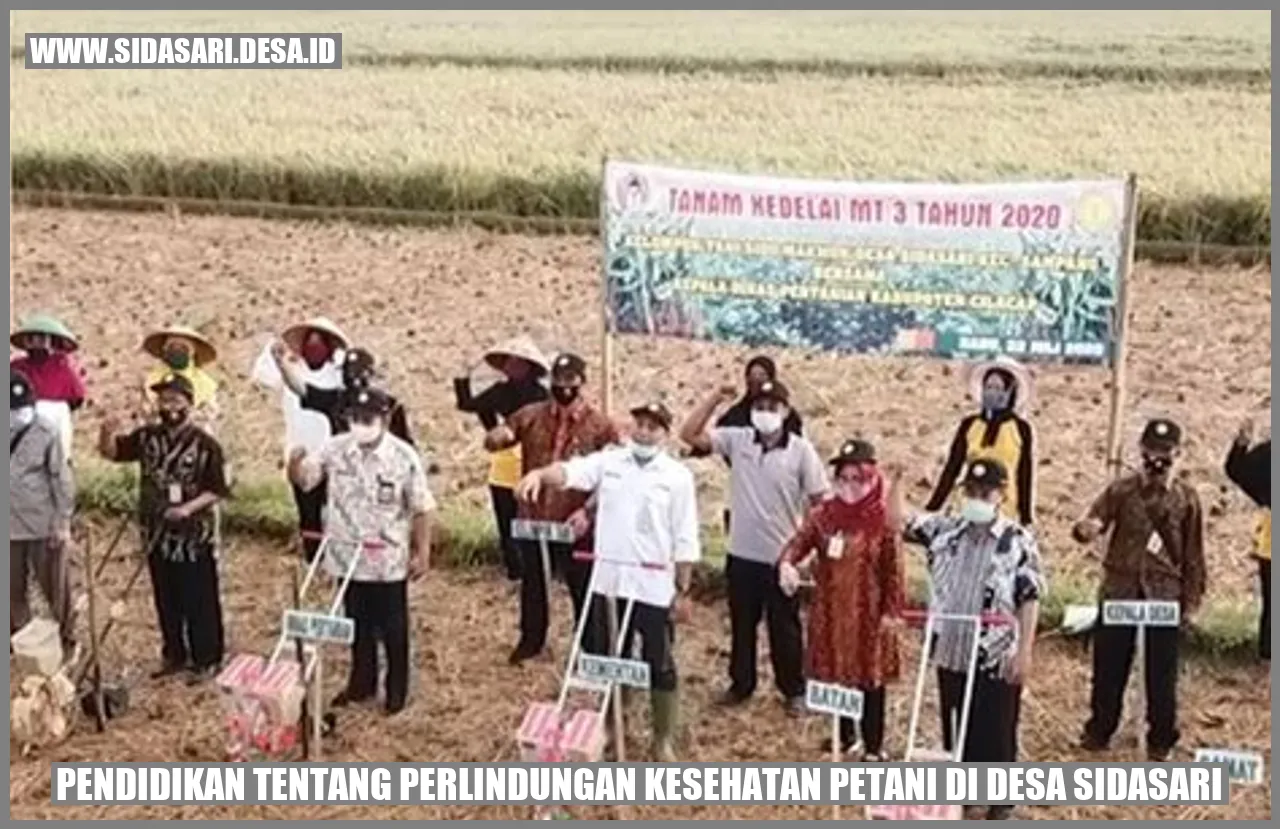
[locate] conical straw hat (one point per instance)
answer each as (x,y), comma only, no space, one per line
(205,353)
(45,324)
(294,334)
(522,348)
(1023,380)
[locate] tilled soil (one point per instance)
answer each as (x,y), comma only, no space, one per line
(429,303)
(466,703)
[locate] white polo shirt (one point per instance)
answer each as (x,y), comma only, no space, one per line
(646,512)
(303,428)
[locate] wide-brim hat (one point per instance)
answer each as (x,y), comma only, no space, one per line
(1023,379)
(521,348)
(205,353)
(45,324)
(294,335)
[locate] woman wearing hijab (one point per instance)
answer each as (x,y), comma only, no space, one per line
(188,354)
(858,590)
(320,344)
(55,379)
(522,366)
(1249,467)
(1003,390)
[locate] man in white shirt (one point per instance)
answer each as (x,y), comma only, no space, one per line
(646,543)
(377,493)
(320,345)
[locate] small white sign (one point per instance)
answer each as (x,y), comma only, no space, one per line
(552,531)
(1136,614)
(632,673)
(827,698)
(1242,766)
(319,627)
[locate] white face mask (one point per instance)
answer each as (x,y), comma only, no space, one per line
(643,452)
(766,423)
(22,418)
(978,511)
(366,433)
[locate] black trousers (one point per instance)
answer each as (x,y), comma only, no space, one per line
(535,614)
(311,516)
(189,609)
(652,624)
(871,725)
(1264,623)
(992,732)
(1113,648)
(381,613)
(504,512)
(753,593)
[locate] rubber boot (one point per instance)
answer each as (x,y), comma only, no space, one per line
(664,709)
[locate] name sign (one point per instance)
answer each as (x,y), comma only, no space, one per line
(319,627)
(1134,614)
(838,700)
(632,673)
(552,531)
(1242,766)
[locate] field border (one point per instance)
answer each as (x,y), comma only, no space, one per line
(465,539)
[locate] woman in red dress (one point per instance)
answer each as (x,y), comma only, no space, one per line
(858,589)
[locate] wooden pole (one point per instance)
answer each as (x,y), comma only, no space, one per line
(835,756)
(615,693)
(1115,430)
(606,316)
(303,717)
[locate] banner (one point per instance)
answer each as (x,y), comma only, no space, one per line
(1030,270)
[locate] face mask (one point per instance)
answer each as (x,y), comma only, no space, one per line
(851,492)
(316,354)
(978,511)
(38,354)
(643,452)
(177,360)
(995,400)
(21,418)
(172,417)
(565,395)
(1156,465)
(366,433)
(766,423)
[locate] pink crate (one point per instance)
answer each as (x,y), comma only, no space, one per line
(901,812)
(539,733)
(241,672)
(583,737)
(280,691)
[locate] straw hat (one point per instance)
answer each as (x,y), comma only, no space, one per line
(205,353)
(1022,378)
(522,348)
(295,334)
(45,324)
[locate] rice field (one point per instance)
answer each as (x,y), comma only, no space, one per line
(1189,45)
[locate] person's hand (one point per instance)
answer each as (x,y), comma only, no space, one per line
(893,472)
(279,351)
(579,522)
(891,624)
(417,565)
(1086,530)
(110,424)
(727,392)
(1244,435)
(681,610)
(179,512)
(1020,665)
(788,578)
(529,488)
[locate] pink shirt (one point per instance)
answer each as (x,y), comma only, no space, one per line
(57,378)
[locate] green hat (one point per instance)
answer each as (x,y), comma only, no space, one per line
(44,324)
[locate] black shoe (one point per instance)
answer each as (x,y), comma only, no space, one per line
(731,699)
(168,669)
(521,654)
(199,675)
(394,707)
(1158,755)
(794,706)
(345,698)
(1088,742)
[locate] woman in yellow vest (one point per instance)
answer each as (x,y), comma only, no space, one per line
(185,352)
(522,366)
(1250,469)
(1003,389)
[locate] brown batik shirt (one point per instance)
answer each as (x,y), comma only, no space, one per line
(1156,548)
(548,433)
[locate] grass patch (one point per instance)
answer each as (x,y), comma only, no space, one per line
(466,539)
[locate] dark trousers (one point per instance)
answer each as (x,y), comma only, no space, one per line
(1113,648)
(754,592)
(653,626)
(311,516)
(535,614)
(871,725)
(189,609)
(1264,623)
(504,512)
(48,562)
(381,613)
(992,732)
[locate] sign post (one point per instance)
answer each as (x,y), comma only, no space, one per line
(1141,615)
(545,533)
(1121,325)
(838,701)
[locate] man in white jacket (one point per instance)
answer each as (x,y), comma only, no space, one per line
(320,344)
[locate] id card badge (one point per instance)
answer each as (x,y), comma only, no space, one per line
(835,547)
(1155,544)
(175,494)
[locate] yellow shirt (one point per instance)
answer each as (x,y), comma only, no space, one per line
(505,468)
(1262,536)
(206,388)
(1007,449)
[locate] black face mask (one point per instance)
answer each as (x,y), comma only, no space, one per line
(172,418)
(38,355)
(1156,465)
(565,395)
